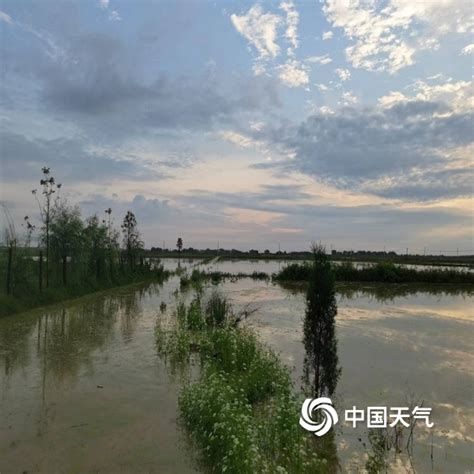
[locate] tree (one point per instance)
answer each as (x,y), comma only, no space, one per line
(66,236)
(98,244)
(131,237)
(47,208)
(321,371)
(179,244)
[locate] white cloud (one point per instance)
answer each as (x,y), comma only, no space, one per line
(343,74)
(259,29)
(322,87)
(348,98)
(292,20)
(104,4)
(457,94)
(392,98)
(5,17)
(115,16)
(327,35)
(293,74)
(325,59)
(469,49)
(387,36)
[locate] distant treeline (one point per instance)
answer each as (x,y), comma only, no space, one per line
(384,272)
(345,255)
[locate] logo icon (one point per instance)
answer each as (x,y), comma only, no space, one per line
(329,414)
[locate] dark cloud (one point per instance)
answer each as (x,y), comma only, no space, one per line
(22,158)
(354,146)
(99,83)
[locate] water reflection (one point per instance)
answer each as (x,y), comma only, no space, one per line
(321,369)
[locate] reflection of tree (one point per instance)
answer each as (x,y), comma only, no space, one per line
(14,342)
(387,293)
(384,293)
(69,337)
(321,372)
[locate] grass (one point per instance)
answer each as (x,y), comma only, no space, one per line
(28,299)
(241,411)
(198,277)
(380,272)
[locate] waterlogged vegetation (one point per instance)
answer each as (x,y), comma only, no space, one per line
(383,272)
(241,347)
(240,410)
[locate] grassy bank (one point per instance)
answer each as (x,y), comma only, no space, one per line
(379,272)
(17,303)
(241,412)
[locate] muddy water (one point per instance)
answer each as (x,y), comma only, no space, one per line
(393,351)
(82,389)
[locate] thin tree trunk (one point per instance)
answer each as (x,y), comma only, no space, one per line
(9,270)
(64,270)
(40,271)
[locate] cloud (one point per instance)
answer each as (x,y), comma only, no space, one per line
(239,139)
(325,59)
(259,29)
(262,32)
(343,74)
(5,17)
(293,74)
(386,36)
(469,49)
(348,98)
(322,87)
(457,94)
(292,20)
(98,89)
(377,150)
(114,15)
(70,158)
(327,35)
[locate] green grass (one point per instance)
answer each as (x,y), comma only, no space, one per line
(241,411)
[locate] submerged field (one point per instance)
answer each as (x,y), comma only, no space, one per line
(83,387)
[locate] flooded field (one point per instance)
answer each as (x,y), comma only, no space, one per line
(83,390)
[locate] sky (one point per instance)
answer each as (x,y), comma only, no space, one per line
(246,124)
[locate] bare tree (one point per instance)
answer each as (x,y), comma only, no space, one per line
(47,207)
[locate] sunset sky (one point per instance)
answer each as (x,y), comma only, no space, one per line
(249,124)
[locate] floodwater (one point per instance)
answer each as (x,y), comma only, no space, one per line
(83,390)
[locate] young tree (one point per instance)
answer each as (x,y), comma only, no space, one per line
(97,242)
(67,236)
(321,371)
(47,208)
(131,237)
(179,244)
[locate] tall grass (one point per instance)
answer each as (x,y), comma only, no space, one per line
(381,272)
(241,412)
